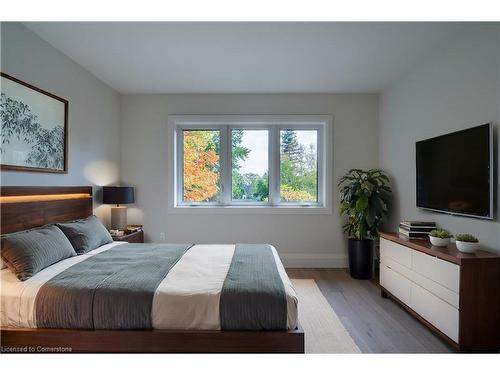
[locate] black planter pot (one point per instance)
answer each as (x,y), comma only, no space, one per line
(361,259)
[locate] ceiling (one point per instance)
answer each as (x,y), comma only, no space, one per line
(245,57)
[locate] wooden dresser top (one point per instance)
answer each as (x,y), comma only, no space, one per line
(449,253)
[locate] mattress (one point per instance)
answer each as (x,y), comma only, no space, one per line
(187,298)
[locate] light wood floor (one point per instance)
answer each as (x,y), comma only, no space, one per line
(377,325)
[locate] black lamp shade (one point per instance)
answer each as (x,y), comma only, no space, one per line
(117,194)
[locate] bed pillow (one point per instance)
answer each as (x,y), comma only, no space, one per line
(28,252)
(86,234)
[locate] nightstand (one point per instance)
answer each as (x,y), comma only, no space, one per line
(134,237)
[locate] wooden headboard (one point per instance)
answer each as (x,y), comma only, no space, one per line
(25,207)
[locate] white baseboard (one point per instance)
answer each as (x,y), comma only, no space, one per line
(313,260)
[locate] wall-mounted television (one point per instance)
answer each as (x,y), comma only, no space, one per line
(455,172)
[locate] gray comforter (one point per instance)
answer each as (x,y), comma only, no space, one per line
(111,290)
(115,290)
(253,295)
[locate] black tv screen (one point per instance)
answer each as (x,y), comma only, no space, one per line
(454,172)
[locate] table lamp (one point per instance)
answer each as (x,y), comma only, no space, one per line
(118,195)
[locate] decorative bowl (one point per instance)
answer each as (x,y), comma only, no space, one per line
(467,247)
(437,241)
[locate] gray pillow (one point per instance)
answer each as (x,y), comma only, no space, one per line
(28,252)
(86,234)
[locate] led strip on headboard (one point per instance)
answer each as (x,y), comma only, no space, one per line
(42,198)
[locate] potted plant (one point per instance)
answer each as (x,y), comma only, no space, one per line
(440,237)
(467,243)
(364,199)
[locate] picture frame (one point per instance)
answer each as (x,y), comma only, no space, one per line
(34,125)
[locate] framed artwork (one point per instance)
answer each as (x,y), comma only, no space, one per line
(34,128)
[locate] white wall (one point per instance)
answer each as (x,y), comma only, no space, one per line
(315,240)
(456,87)
(94,111)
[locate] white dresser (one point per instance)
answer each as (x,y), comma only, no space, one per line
(457,295)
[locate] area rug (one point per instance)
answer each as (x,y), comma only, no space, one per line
(324,333)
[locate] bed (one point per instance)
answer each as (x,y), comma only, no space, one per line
(192,310)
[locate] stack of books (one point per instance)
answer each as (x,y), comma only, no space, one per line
(416,229)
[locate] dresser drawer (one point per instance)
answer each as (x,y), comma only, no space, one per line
(395,251)
(397,267)
(440,314)
(440,271)
(395,283)
(438,290)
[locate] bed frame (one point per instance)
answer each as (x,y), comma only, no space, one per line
(25,207)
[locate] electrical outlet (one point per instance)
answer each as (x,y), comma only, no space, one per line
(162,236)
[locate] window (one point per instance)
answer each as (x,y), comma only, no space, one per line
(250,161)
(201,165)
(299,165)
(249,166)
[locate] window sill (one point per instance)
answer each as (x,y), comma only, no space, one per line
(244,210)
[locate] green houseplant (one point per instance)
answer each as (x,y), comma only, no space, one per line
(440,237)
(440,233)
(364,200)
(466,243)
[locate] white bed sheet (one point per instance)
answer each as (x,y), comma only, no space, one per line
(188,298)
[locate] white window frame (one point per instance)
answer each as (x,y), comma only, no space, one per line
(225,124)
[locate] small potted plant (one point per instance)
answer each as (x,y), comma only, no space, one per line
(467,243)
(440,237)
